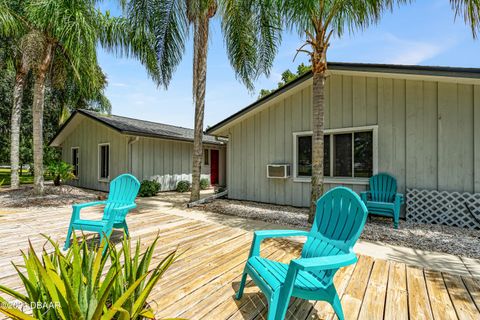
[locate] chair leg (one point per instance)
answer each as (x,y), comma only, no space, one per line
(125,227)
(274,307)
(242,286)
(337,305)
(67,241)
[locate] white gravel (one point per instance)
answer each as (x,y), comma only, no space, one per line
(430,237)
(54,196)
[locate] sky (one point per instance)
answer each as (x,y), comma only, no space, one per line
(423,33)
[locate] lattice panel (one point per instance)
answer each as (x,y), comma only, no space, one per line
(448,208)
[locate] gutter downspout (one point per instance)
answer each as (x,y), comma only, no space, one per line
(130,142)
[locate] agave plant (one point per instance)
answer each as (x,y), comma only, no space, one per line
(86,282)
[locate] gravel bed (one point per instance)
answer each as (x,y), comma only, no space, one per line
(53,197)
(430,237)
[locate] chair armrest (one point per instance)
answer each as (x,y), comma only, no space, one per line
(77,207)
(265,234)
(260,235)
(364,195)
(325,263)
(399,198)
(127,207)
(88,204)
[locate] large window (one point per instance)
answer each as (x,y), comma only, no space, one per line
(75,161)
(104,161)
(348,153)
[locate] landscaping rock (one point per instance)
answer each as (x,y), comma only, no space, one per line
(429,237)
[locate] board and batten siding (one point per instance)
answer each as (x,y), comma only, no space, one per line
(87,136)
(428,135)
(168,161)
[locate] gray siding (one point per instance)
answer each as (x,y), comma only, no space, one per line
(88,134)
(168,161)
(428,135)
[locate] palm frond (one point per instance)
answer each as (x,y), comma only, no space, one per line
(470,11)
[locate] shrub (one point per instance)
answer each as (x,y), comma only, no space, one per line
(81,283)
(149,188)
(183,186)
(204,184)
(220,189)
(61,172)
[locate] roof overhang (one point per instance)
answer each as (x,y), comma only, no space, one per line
(407,72)
(78,116)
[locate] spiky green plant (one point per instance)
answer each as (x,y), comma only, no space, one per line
(86,282)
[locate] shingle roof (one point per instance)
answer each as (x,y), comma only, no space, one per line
(145,128)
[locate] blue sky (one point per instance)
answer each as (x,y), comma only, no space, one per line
(423,33)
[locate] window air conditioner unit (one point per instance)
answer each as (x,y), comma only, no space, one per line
(278,171)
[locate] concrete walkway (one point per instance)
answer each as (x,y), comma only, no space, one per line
(174,204)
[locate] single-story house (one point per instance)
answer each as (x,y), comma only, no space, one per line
(421,124)
(100,147)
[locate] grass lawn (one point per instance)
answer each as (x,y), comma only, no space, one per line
(25,177)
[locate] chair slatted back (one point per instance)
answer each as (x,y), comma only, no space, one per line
(123,191)
(383,187)
(339,221)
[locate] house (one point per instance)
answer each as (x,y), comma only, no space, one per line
(421,124)
(100,147)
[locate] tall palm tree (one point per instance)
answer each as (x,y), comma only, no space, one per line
(251,30)
(317,21)
(67,30)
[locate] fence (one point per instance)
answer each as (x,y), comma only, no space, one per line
(442,207)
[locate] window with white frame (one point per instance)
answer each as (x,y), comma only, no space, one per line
(75,157)
(348,153)
(104,161)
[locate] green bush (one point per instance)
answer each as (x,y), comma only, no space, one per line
(183,186)
(204,184)
(220,189)
(149,188)
(84,283)
(60,171)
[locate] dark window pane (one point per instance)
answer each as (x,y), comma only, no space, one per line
(326,156)
(363,154)
(304,158)
(343,155)
(104,161)
(75,161)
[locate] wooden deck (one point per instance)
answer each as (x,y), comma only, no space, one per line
(202,283)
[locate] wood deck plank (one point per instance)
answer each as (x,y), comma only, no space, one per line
(203,281)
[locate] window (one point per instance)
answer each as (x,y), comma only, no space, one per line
(206,157)
(348,153)
(104,161)
(75,161)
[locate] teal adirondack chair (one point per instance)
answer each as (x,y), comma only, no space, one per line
(339,220)
(121,199)
(382,198)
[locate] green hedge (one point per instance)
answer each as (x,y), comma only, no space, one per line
(149,188)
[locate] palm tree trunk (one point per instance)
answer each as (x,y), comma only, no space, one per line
(199,82)
(317,140)
(37,115)
(18,89)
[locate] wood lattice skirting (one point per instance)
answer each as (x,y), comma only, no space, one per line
(443,207)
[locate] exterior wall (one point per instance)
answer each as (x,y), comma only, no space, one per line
(87,135)
(167,161)
(428,135)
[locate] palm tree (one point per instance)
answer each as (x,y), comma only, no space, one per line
(66,30)
(251,30)
(318,21)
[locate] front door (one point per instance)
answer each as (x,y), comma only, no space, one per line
(213,167)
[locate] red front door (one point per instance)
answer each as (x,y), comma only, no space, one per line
(214,166)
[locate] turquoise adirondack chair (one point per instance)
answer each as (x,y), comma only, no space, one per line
(382,198)
(339,220)
(121,199)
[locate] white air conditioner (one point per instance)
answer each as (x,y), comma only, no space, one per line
(278,171)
